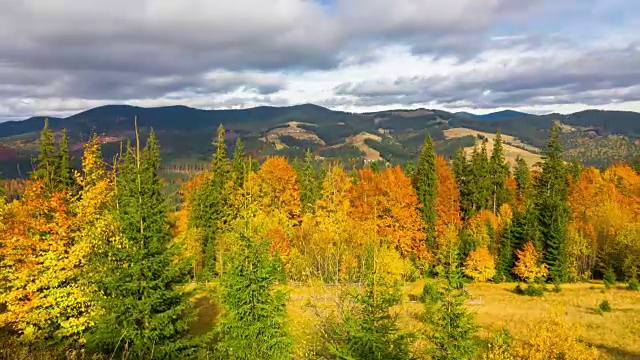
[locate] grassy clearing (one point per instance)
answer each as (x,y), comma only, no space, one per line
(615,333)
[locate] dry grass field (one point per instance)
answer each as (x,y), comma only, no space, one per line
(615,333)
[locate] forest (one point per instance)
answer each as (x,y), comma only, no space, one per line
(95,263)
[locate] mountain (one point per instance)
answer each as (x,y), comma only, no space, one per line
(504,114)
(593,136)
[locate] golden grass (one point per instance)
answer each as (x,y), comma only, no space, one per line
(616,333)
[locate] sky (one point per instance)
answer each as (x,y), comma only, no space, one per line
(60,57)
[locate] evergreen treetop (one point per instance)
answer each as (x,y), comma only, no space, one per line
(426,188)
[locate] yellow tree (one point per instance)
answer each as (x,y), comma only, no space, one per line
(528,266)
(480,265)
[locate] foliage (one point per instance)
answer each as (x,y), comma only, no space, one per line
(528,266)
(366,327)
(253,324)
(529,290)
(425,182)
(499,347)
(604,306)
(480,265)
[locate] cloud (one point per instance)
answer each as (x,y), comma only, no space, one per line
(59,56)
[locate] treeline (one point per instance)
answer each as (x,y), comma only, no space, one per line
(91,260)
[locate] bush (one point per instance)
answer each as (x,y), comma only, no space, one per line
(633,285)
(609,278)
(499,347)
(530,290)
(604,306)
(430,294)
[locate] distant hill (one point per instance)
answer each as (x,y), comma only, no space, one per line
(504,114)
(593,136)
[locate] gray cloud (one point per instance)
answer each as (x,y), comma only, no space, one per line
(595,77)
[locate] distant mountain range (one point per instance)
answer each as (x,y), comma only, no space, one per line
(593,136)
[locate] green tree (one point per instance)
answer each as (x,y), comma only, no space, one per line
(552,208)
(144,311)
(505,261)
(522,177)
(211,208)
(367,328)
(253,324)
(46,161)
(451,328)
(462,172)
(425,182)
(310,181)
(239,165)
(64,172)
(499,172)
(480,179)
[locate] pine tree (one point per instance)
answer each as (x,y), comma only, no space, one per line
(505,255)
(368,329)
(480,179)
(462,172)
(211,206)
(522,177)
(64,172)
(552,207)
(253,324)
(425,182)
(499,172)
(310,181)
(239,164)
(144,312)
(451,328)
(46,161)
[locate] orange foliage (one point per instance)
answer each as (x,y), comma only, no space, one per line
(447,201)
(528,266)
(277,186)
(388,202)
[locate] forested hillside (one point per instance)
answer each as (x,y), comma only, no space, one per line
(97,262)
(596,138)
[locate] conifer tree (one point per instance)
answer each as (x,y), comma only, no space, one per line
(462,172)
(450,327)
(310,181)
(239,164)
(425,182)
(552,208)
(480,179)
(505,255)
(499,172)
(522,177)
(46,161)
(144,311)
(253,324)
(211,206)
(64,173)
(368,329)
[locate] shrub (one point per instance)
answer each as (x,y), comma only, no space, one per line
(430,294)
(633,285)
(604,306)
(480,265)
(609,278)
(530,290)
(499,347)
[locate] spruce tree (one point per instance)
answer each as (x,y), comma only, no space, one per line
(522,177)
(499,172)
(552,208)
(480,179)
(367,328)
(46,162)
(239,164)
(64,173)
(211,206)
(144,312)
(425,182)
(462,172)
(310,181)
(253,324)
(505,261)
(451,328)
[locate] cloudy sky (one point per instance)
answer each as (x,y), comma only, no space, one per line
(58,57)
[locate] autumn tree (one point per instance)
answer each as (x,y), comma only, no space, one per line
(425,182)
(528,266)
(480,265)
(552,207)
(144,311)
